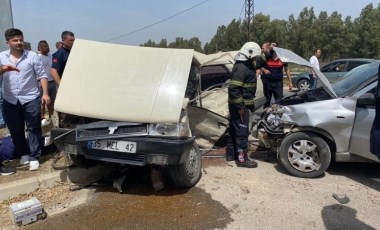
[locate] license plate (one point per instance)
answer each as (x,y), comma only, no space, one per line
(112,145)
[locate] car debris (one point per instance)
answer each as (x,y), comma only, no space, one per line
(26,212)
(341,198)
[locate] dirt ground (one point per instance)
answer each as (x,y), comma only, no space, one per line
(262,198)
(54,200)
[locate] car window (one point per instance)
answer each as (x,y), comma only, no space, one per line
(340,68)
(355,79)
(213,76)
(354,64)
(332,67)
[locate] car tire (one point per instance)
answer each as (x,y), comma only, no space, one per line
(304,154)
(188,173)
(303,85)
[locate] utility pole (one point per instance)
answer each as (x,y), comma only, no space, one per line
(249,14)
(6,21)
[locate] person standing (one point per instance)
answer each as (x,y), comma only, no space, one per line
(22,101)
(241,94)
(43,48)
(27,46)
(60,57)
(58,45)
(261,61)
(314,60)
(2,122)
(5,171)
(274,71)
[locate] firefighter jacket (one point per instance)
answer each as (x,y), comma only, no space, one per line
(242,88)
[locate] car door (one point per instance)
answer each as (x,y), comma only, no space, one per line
(364,117)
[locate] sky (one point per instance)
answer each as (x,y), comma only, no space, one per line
(104,20)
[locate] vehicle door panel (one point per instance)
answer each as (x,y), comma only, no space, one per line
(359,142)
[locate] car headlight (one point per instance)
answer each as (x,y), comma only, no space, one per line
(169,130)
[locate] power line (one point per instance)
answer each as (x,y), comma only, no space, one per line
(146,27)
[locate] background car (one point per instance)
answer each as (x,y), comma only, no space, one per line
(333,71)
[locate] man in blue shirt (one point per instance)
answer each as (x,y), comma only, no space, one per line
(22,100)
(60,57)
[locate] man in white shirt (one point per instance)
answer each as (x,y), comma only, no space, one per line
(315,62)
(22,100)
(46,58)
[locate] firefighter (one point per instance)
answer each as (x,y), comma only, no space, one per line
(241,94)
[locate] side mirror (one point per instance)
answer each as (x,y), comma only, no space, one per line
(366,100)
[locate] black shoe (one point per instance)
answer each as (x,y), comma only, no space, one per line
(247,164)
(5,171)
(230,158)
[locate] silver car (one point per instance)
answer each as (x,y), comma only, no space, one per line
(309,129)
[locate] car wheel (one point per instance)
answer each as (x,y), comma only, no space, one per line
(304,84)
(304,155)
(188,173)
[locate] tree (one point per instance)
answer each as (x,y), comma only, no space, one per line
(216,42)
(149,43)
(367,28)
(336,38)
(260,34)
(163,43)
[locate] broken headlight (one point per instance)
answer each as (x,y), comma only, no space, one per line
(274,117)
(169,130)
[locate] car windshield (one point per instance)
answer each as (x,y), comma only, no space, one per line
(356,78)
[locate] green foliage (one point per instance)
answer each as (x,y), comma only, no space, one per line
(337,38)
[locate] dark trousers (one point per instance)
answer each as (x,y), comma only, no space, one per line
(313,82)
(265,90)
(16,116)
(274,88)
(238,132)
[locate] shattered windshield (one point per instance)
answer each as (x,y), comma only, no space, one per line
(356,78)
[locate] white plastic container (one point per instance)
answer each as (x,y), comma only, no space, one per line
(26,212)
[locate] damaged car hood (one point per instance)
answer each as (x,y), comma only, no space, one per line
(124,83)
(290,57)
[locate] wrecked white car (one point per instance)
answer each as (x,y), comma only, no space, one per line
(142,106)
(309,129)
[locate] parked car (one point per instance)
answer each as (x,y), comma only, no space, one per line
(333,71)
(143,106)
(309,129)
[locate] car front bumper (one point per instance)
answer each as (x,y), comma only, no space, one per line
(150,150)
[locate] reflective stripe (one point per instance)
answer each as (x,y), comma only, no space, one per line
(235,82)
(249,85)
(235,101)
(249,101)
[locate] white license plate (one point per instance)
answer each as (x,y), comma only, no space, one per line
(112,145)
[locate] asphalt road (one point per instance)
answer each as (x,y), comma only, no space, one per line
(228,197)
